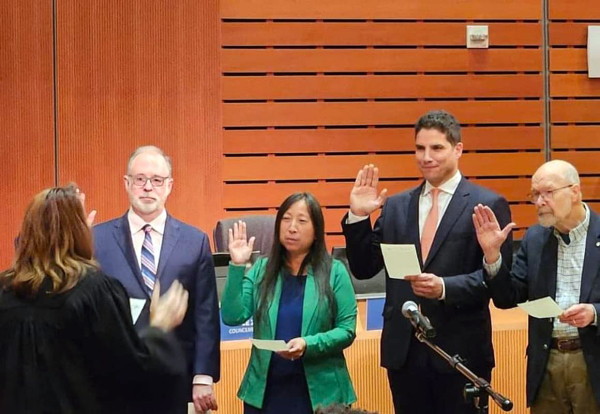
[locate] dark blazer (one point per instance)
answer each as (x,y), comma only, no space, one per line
(533,276)
(462,320)
(185,256)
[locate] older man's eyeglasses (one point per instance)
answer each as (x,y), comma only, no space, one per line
(546,195)
(141,180)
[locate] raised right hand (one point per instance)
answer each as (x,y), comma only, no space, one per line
(489,234)
(363,198)
(240,249)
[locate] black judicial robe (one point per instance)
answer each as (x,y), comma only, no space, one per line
(78,352)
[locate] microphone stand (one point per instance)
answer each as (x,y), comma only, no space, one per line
(478,389)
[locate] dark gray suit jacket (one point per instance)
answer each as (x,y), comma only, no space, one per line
(185,256)
(533,276)
(462,321)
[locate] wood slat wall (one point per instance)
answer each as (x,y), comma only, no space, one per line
(574,98)
(137,73)
(312,92)
(26,112)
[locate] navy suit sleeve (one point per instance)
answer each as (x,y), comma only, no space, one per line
(471,288)
(363,246)
(207,359)
(508,288)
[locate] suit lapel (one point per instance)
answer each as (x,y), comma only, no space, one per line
(170,238)
(274,308)
(310,304)
(122,234)
(591,259)
(413,219)
(546,278)
(457,205)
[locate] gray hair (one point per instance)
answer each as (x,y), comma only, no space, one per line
(150,148)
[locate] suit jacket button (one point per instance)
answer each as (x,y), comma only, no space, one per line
(545,346)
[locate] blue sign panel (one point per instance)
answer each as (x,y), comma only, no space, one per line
(374,313)
(235,333)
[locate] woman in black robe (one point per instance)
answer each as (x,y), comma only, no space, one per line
(67,341)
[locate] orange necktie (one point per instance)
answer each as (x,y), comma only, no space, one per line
(430,224)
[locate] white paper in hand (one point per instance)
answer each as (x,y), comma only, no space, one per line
(136,306)
(269,345)
(542,308)
(400,260)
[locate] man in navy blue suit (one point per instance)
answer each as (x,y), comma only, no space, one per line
(436,218)
(559,258)
(147,246)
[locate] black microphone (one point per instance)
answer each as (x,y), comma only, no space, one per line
(410,310)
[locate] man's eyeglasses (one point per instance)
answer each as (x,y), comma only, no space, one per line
(546,195)
(141,180)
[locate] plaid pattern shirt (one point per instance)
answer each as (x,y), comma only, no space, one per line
(568,273)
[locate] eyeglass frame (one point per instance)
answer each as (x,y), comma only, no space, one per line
(546,195)
(134,177)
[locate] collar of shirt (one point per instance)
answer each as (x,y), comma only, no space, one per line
(448,187)
(136,223)
(579,232)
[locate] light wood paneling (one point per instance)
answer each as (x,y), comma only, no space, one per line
(573,9)
(567,34)
(380,60)
(135,73)
(382,9)
(570,140)
(381,87)
(284,141)
(573,85)
(373,34)
(575,136)
(377,113)
(270,195)
(27,108)
(310,95)
(580,110)
(570,59)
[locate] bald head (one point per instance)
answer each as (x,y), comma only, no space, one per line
(559,171)
(556,194)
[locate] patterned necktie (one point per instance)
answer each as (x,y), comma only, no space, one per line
(148,264)
(430,224)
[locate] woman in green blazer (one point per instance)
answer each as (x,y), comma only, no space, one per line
(298,294)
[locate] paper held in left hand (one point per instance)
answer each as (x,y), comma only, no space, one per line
(270,345)
(542,308)
(136,305)
(400,260)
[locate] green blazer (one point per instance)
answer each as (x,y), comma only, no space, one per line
(324,363)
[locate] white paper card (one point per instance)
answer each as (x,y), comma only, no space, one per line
(269,345)
(542,308)
(192,410)
(400,260)
(136,306)
(593,51)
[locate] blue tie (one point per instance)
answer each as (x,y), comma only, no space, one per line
(148,264)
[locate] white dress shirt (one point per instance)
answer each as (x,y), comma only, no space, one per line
(136,225)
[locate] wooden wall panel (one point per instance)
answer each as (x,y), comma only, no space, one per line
(574,98)
(311,93)
(383,9)
(315,140)
(135,73)
(27,112)
(372,34)
(380,60)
